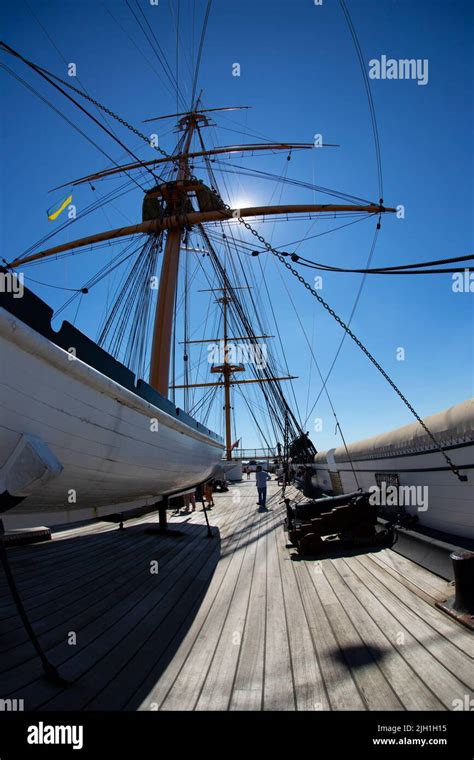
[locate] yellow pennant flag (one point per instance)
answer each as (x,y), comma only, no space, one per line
(55,210)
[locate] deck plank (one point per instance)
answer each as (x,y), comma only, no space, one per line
(145,657)
(431,584)
(180,583)
(247,693)
(409,688)
(439,629)
(374,689)
(341,689)
(217,688)
(80,608)
(56,608)
(182,683)
(120,615)
(233,623)
(310,691)
(410,637)
(278,687)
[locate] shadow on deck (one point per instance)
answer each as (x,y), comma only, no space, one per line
(110,608)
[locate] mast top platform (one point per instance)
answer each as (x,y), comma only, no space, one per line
(196,116)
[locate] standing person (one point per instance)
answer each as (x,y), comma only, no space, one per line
(208,491)
(189,500)
(247,472)
(261,478)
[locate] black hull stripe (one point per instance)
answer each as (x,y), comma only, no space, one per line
(421,469)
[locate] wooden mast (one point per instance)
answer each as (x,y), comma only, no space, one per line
(227,369)
(163,327)
(175,220)
(226,373)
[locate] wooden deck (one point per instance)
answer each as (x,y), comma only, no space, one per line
(234,622)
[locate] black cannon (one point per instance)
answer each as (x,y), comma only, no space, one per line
(311,509)
(350,518)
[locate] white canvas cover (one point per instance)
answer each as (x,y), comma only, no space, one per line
(451,426)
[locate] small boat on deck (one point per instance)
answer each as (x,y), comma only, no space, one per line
(79,436)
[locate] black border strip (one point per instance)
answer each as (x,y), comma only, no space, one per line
(420,469)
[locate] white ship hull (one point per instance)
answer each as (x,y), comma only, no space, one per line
(441,502)
(111,447)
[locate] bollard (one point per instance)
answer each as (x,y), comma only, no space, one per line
(289,515)
(461,605)
(463,564)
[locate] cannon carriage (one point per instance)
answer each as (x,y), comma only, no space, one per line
(349,519)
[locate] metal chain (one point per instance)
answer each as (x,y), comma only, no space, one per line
(108,112)
(359,343)
(298,276)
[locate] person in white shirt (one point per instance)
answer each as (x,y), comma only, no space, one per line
(261,478)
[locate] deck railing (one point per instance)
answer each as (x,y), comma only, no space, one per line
(257,454)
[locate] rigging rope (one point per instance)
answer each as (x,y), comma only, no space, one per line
(245,171)
(66,119)
(338,425)
(279,255)
(369,95)
(274,397)
(137,47)
(201,45)
(351,316)
(394,269)
(48,77)
(157,50)
(359,343)
(51,40)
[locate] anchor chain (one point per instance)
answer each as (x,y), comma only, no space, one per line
(107,111)
(359,343)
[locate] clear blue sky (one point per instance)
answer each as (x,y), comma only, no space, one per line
(300,74)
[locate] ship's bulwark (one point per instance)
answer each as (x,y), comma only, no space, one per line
(113,446)
(406,456)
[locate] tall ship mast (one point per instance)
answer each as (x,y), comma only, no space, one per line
(107,466)
(84,432)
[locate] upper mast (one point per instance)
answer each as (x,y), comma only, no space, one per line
(174,214)
(163,327)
